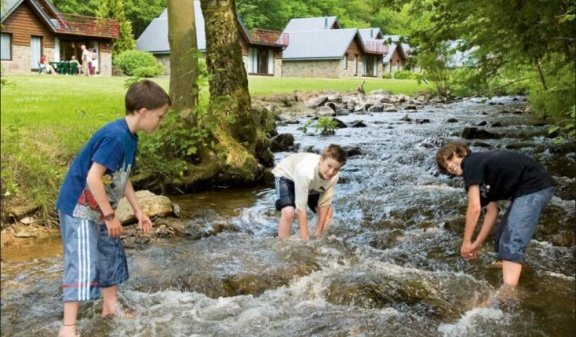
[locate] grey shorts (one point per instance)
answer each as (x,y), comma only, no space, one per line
(518,224)
(92,259)
(285,192)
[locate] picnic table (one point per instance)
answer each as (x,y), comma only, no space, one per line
(65,67)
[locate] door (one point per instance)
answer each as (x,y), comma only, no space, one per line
(35,51)
(262,61)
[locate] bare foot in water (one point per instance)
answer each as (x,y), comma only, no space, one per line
(506,293)
(118,313)
(68,331)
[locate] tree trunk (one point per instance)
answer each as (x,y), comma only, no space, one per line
(183,60)
(241,134)
(541,74)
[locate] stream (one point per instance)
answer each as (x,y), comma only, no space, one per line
(389,265)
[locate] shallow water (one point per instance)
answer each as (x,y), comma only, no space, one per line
(389,265)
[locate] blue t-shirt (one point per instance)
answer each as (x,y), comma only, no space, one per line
(114,147)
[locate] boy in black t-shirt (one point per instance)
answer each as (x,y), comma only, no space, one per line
(490,177)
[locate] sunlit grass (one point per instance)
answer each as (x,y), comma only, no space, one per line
(260,85)
(66,110)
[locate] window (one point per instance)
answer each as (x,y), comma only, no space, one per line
(346,61)
(6,46)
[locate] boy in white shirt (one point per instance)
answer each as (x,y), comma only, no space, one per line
(307,179)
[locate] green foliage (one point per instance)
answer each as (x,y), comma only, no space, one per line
(141,12)
(350,13)
(566,125)
(435,70)
(131,60)
(150,71)
(324,126)
(80,7)
(556,103)
(387,76)
(165,154)
(404,75)
(115,9)
(25,173)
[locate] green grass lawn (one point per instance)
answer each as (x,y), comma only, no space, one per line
(65,110)
(260,85)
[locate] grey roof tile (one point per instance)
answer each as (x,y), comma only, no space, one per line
(319,44)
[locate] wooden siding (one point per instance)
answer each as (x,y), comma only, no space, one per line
(24,23)
(243,44)
(354,49)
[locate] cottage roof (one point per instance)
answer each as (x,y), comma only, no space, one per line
(154,39)
(370,33)
(307,24)
(63,23)
(9,7)
(395,39)
(320,44)
(40,7)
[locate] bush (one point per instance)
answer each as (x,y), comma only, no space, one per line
(131,61)
(150,71)
(403,75)
(387,75)
(557,103)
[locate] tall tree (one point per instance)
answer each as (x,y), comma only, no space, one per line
(183,59)
(115,9)
(244,141)
(142,12)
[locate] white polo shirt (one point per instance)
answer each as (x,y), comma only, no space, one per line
(302,169)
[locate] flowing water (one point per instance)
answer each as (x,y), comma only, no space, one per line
(389,265)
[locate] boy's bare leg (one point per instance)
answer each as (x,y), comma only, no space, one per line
(109,295)
(286,220)
(511,272)
(68,328)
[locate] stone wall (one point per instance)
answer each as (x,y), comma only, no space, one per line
(326,68)
(20,63)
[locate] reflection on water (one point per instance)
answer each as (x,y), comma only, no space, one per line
(33,249)
(390,265)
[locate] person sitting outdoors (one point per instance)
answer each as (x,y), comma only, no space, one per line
(74,60)
(44,66)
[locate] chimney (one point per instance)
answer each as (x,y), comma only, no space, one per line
(325,22)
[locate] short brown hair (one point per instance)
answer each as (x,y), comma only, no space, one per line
(145,94)
(448,151)
(335,152)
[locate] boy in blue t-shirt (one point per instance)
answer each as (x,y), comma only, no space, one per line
(97,179)
(499,175)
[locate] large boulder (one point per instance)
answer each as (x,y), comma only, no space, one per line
(153,205)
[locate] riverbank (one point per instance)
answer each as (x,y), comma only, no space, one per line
(46,119)
(27,224)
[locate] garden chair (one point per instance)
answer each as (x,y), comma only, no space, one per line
(64,68)
(73,68)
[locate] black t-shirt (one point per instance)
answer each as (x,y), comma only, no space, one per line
(504,175)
